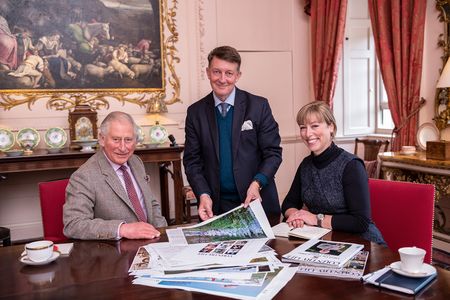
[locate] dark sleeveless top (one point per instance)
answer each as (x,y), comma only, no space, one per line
(335,183)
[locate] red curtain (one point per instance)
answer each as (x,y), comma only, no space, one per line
(327,36)
(398,29)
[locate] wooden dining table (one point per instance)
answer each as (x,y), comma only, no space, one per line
(99,270)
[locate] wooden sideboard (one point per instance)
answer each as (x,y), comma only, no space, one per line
(40,160)
(417,168)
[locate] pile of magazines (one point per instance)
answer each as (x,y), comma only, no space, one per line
(211,257)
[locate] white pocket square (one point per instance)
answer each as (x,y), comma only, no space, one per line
(247,125)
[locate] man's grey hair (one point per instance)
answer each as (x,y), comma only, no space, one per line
(118,116)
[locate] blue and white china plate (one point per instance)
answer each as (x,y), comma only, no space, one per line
(158,134)
(7,139)
(55,137)
(29,134)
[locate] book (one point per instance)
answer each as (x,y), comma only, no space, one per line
(64,248)
(323,253)
(306,232)
(353,269)
(389,279)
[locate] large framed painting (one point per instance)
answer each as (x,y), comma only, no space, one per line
(88,52)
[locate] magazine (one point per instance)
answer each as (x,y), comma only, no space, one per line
(389,279)
(306,232)
(237,224)
(353,269)
(323,253)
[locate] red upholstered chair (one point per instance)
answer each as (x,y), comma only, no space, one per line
(53,195)
(404,213)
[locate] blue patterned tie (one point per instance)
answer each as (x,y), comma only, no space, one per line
(224,109)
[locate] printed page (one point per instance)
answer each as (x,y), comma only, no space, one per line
(238,224)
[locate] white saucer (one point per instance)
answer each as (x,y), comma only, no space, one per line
(426,270)
(24,259)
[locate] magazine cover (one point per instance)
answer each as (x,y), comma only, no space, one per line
(323,253)
(353,269)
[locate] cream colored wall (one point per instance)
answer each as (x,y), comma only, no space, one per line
(273,38)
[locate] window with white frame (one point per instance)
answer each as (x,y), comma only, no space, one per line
(361,100)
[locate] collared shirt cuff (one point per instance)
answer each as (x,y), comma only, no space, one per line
(261,179)
(118,237)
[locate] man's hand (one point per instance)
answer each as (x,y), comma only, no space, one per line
(139,230)
(252,193)
(205,207)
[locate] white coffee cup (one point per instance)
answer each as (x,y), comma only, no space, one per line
(39,251)
(411,259)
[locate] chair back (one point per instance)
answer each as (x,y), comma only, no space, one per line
(404,213)
(52,195)
(371,148)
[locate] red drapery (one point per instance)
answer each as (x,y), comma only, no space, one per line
(398,29)
(327,36)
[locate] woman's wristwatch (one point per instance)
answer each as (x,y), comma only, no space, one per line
(320,218)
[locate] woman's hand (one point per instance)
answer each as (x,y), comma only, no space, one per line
(298,218)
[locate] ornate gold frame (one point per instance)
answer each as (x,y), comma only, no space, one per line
(442,99)
(155,100)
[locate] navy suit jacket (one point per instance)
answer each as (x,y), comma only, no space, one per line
(254,151)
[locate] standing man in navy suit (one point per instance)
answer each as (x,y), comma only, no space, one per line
(232,147)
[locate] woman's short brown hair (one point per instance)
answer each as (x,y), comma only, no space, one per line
(319,109)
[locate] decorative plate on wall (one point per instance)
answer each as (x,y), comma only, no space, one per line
(30,136)
(55,137)
(427,132)
(7,139)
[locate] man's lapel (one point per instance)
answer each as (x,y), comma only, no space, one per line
(212,123)
(240,108)
(112,179)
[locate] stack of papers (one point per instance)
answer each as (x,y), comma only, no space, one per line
(224,256)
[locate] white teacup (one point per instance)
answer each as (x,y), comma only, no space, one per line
(39,251)
(411,259)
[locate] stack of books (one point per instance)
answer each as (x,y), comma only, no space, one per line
(323,253)
(329,258)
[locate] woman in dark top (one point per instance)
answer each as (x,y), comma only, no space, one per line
(330,188)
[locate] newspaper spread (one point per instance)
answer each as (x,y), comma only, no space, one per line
(323,253)
(353,269)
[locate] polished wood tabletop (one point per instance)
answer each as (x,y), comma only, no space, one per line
(99,270)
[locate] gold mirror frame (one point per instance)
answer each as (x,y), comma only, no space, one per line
(442,99)
(155,100)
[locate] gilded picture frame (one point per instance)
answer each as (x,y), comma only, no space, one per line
(442,99)
(88,52)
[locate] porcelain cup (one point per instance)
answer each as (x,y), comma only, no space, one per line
(39,251)
(411,259)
